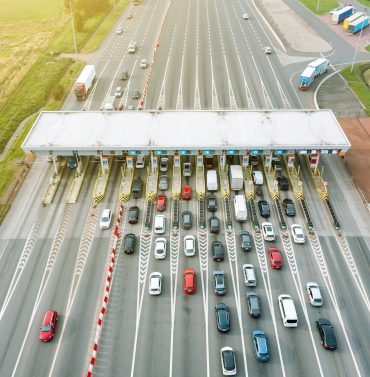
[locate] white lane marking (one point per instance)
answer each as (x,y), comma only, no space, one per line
(261,254)
(197,104)
(24,258)
(83,253)
(54,251)
(162,96)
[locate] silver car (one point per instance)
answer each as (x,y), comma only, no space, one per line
(163,183)
(219,283)
(314,294)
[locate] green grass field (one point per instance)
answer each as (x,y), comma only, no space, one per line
(320,7)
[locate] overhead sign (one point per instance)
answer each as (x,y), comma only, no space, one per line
(184,152)
(133,153)
(208,152)
(159,153)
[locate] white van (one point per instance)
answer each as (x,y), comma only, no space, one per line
(240,207)
(212,184)
(287,310)
(257,178)
(160,224)
(249,275)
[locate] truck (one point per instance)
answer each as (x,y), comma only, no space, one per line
(313,70)
(236,177)
(352,18)
(342,14)
(84,82)
(212,184)
(358,25)
(109,104)
(240,207)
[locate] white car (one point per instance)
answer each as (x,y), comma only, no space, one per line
(314,294)
(297,233)
(189,246)
(119,30)
(268,231)
(119,91)
(105,219)
(155,283)
(140,162)
(245,16)
(228,362)
(143,64)
(131,47)
(160,248)
(267,50)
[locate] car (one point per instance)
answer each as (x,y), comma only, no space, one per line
(314,294)
(163,183)
(160,248)
(245,240)
(283,183)
(71,163)
(189,276)
(105,219)
(131,48)
(297,234)
(253,301)
(211,203)
(275,257)
(135,94)
(129,242)
(189,246)
(161,203)
(130,107)
(186,193)
(218,251)
(124,75)
(219,283)
(49,323)
(260,345)
(276,164)
(268,231)
(222,317)
(119,30)
(159,224)
(267,50)
(289,207)
(228,361)
(253,160)
(245,16)
(186,169)
(249,273)
(187,219)
(326,331)
(119,91)
(163,166)
(140,162)
(264,208)
(214,224)
(143,64)
(133,215)
(155,283)
(209,162)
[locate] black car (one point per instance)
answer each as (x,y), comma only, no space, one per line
(253,301)
(222,317)
(276,164)
(253,160)
(187,219)
(129,243)
(133,215)
(283,183)
(214,224)
(246,240)
(264,208)
(326,331)
(124,75)
(218,251)
(289,207)
(212,203)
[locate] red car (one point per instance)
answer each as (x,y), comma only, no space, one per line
(276,260)
(189,281)
(161,203)
(186,193)
(48,326)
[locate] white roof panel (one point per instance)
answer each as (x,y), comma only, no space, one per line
(174,130)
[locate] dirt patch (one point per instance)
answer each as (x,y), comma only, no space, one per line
(82,57)
(358,158)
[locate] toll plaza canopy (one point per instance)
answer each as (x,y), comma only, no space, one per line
(186,132)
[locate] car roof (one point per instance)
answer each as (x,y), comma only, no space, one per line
(48,316)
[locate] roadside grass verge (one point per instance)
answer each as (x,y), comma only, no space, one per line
(320,7)
(357,81)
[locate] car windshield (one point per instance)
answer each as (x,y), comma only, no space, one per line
(214,223)
(105,219)
(229,360)
(268,229)
(245,238)
(46,328)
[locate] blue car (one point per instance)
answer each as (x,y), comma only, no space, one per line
(260,345)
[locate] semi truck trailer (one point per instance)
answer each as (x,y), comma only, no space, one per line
(236,177)
(84,82)
(314,69)
(350,19)
(342,14)
(355,26)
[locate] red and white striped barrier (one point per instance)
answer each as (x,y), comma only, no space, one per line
(106,295)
